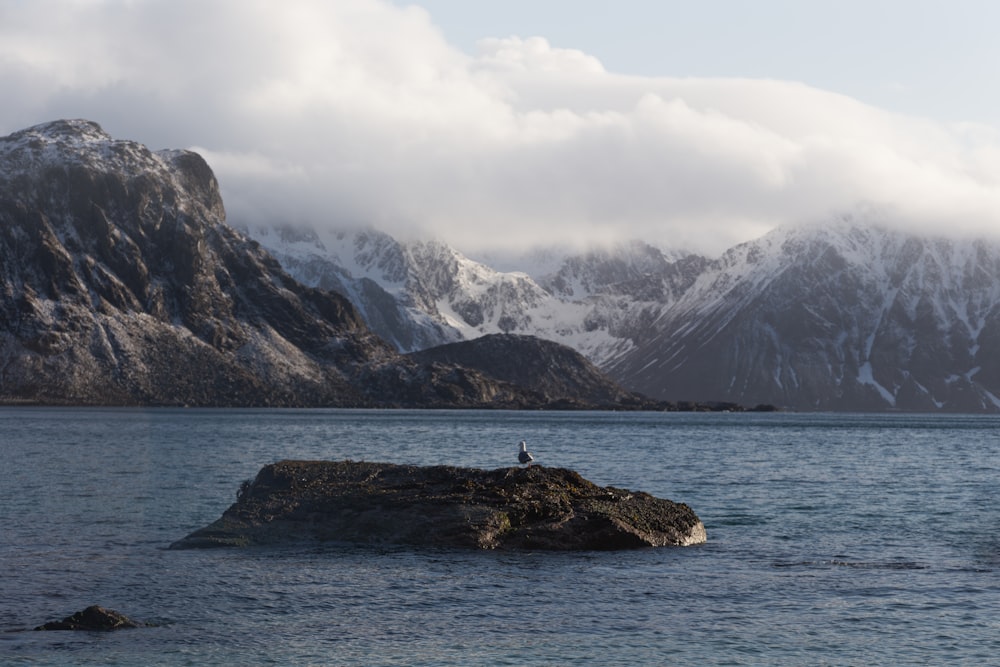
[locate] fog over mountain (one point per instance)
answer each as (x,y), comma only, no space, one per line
(844,316)
(121,283)
(360,112)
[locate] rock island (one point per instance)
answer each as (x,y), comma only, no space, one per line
(442,506)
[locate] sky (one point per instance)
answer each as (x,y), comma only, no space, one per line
(508,125)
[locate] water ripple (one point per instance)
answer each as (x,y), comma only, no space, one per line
(833,539)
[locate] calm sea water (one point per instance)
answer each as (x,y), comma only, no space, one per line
(833,540)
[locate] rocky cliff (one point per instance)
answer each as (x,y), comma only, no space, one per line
(121,284)
(441,506)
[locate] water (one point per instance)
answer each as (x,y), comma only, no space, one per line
(833,540)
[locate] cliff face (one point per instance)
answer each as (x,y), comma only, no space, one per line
(121,284)
(442,506)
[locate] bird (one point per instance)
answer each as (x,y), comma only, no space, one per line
(523,456)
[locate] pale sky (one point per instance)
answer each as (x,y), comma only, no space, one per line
(922,57)
(695,125)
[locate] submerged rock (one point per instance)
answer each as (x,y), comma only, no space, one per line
(93,618)
(506,508)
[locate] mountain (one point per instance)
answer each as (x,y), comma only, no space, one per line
(843,316)
(121,284)
(425,293)
(846,315)
(374,271)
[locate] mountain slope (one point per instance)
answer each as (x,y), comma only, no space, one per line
(121,284)
(422,294)
(847,316)
(374,271)
(425,293)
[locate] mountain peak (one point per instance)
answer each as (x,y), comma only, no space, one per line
(121,283)
(58,139)
(75,130)
(32,155)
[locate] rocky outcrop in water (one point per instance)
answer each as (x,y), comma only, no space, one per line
(442,506)
(93,618)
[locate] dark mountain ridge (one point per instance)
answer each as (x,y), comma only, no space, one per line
(123,285)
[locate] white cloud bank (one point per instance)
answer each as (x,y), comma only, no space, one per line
(359,112)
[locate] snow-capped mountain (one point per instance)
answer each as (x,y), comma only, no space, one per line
(847,315)
(421,294)
(120,283)
(373,270)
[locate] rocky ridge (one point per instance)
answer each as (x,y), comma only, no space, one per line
(122,285)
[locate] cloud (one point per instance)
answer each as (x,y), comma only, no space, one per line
(534,54)
(359,112)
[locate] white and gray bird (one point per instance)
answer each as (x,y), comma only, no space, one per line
(523,456)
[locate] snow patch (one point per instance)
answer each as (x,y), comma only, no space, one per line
(865,376)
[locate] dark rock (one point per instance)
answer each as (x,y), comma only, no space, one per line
(443,506)
(93,618)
